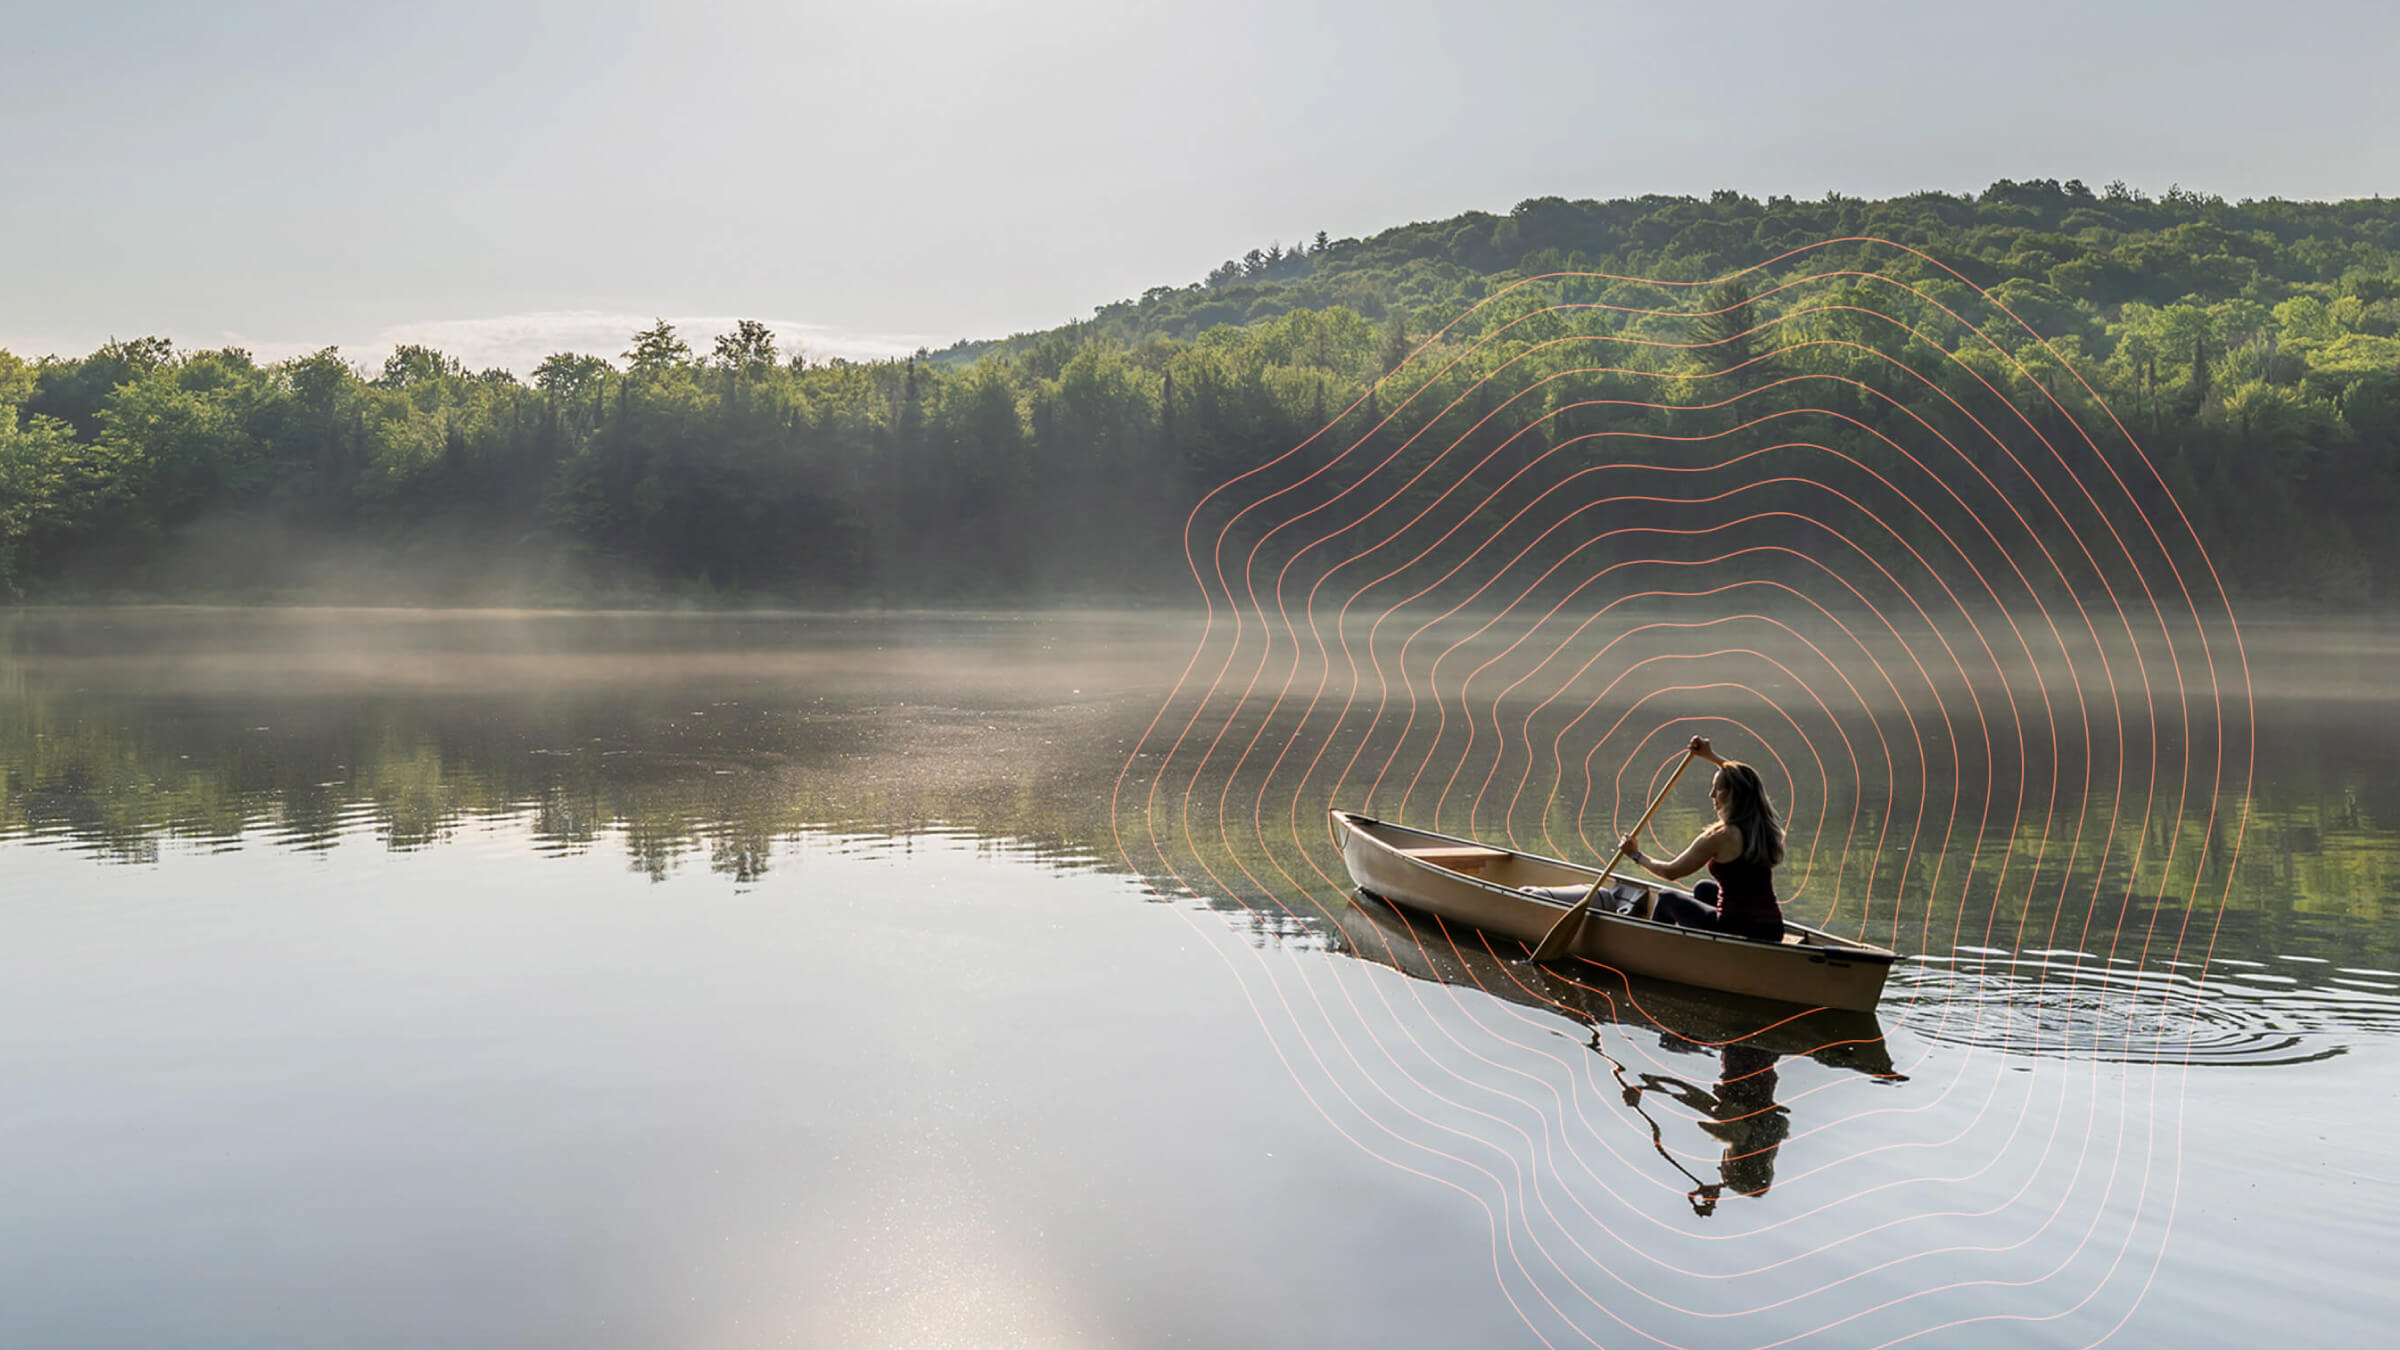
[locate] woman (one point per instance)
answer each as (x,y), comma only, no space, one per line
(1740,851)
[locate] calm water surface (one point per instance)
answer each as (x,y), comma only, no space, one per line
(394,979)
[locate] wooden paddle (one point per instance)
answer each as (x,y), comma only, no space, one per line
(1554,943)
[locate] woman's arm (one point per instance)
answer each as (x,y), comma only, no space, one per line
(1700,746)
(1685,863)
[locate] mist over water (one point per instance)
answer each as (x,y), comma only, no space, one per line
(131,728)
(562,944)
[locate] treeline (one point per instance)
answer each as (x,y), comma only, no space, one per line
(1063,472)
(2254,348)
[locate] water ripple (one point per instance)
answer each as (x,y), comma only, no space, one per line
(2043,1005)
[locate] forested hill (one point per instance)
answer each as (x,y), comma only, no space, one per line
(2253,348)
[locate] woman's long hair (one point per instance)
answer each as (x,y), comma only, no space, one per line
(1747,809)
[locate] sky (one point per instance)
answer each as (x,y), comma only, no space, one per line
(508,178)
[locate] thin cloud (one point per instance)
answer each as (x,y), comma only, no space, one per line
(518,342)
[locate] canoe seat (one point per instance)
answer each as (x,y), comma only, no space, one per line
(1457,857)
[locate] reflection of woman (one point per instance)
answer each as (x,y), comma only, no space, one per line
(1742,1112)
(1748,1120)
(1740,851)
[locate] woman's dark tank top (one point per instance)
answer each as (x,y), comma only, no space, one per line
(1747,903)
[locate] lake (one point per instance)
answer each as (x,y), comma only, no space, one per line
(394,978)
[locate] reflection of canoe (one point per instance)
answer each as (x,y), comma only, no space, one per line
(1686,1019)
(1521,895)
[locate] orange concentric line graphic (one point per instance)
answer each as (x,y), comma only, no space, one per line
(1873,535)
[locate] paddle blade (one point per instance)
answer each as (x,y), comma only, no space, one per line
(1561,936)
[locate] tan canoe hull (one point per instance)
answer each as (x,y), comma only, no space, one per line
(1466,882)
(1690,1018)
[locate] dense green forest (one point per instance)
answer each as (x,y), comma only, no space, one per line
(2252,348)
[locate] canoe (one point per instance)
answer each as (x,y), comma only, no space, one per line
(1523,895)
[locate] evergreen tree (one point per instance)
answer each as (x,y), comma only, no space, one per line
(1396,346)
